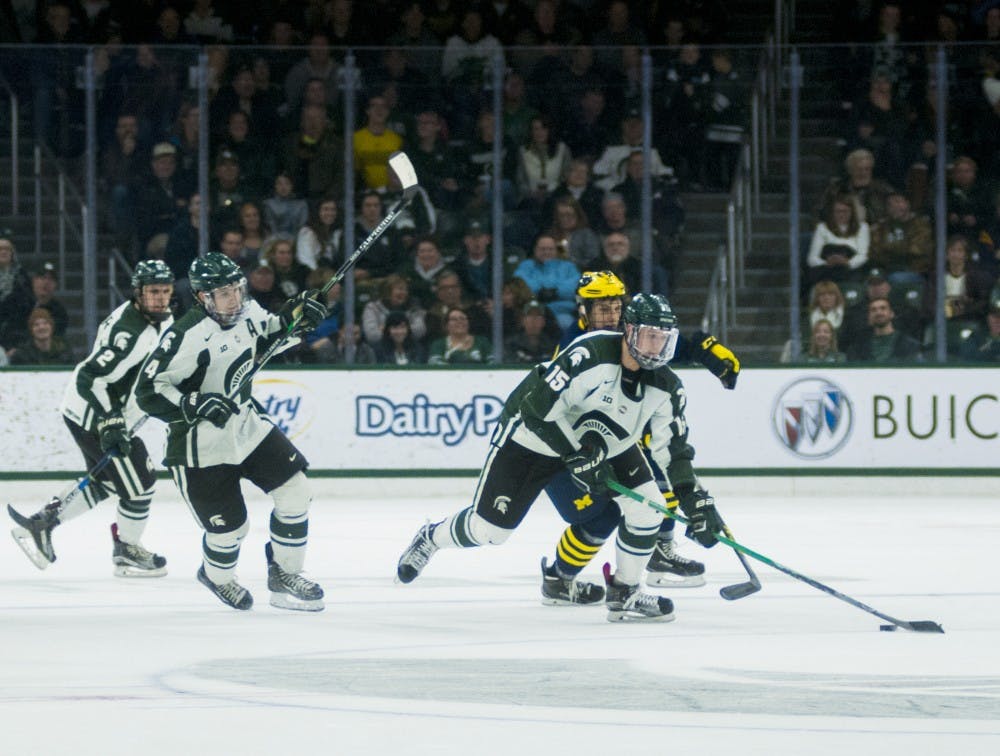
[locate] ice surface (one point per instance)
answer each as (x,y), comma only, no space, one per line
(466,660)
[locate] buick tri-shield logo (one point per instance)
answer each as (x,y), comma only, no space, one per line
(813,418)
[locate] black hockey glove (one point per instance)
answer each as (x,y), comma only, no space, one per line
(215,408)
(717,357)
(588,466)
(699,508)
(306,307)
(114,436)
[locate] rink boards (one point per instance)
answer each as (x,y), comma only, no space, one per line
(432,422)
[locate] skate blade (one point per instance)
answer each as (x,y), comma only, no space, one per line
(26,541)
(615,616)
(563,602)
(669,580)
(285,601)
(130,571)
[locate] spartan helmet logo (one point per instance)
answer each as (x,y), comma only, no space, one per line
(500,504)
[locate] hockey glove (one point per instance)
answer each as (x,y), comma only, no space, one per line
(588,466)
(304,306)
(215,408)
(705,522)
(717,357)
(114,436)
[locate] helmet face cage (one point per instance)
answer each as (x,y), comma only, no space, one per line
(596,286)
(152,273)
(651,332)
(228,303)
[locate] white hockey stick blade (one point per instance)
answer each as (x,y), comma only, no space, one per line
(404,170)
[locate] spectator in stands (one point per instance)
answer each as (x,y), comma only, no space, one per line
(181,251)
(148,87)
(394,296)
(988,255)
(122,164)
(448,294)
(517,113)
(254,231)
(414,36)
(685,113)
(616,256)
(437,165)
(203,25)
(966,288)
(969,206)
(614,218)
(317,239)
(467,57)
(422,272)
(505,19)
(870,194)
(159,201)
(540,51)
(459,346)
(902,243)
(255,162)
(242,95)
(43,346)
(827,303)
(413,88)
(881,342)
(284,213)
(386,255)
(479,164)
(576,241)
(185,137)
(229,190)
(397,346)
(314,155)
(231,245)
(875,124)
(345,29)
(592,128)
(667,211)
(44,283)
(823,345)
(839,244)
(727,115)
(515,296)
(576,183)
(908,317)
(541,164)
(15,294)
(373,144)
(52,73)
(262,288)
(610,167)
(530,344)
(289,274)
(331,352)
(983,344)
(318,64)
(551,280)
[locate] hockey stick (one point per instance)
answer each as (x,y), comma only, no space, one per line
(403,168)
(917,626)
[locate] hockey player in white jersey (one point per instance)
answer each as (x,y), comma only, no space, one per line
(94,407)
(586,412)
(217,438)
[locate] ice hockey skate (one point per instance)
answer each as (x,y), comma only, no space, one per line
(291,591)
(34,534)
(558,591)
(232,593)
(669,569)
(416,556)
(627,603)
(134,560)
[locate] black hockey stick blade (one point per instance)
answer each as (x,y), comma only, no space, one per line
(922,626)
(739,590)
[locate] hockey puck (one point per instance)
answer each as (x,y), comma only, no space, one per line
(887,628)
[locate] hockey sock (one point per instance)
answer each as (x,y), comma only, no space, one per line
(667,529)
(574,551)
(288,539)
(132,516)
(89,497)
(466,529)
(633,546)
(221,551)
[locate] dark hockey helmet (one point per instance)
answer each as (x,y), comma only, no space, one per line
(592,287)
(149,273)
(651,330)
(223,285)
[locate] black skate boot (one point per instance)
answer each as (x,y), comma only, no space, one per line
(232,593)
(417,555)
(669,569)
(134,560)
(291,591)
(34,534)
(627,603)
(558,591)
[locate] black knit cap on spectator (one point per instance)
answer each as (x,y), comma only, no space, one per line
(163,149)
(47,269)
(395,318)
(476,227)
(875,276)
(226,156)
(534,306)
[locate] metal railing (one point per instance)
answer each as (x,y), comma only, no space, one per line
(62,187)
(116,262)
(15,128)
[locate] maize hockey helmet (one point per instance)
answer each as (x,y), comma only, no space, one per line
(651,331)
(595,286)
(152,273)
(223,286)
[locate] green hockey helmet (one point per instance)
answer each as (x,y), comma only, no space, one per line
(599,286)
(222,285)
(651,331)
(155,307)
